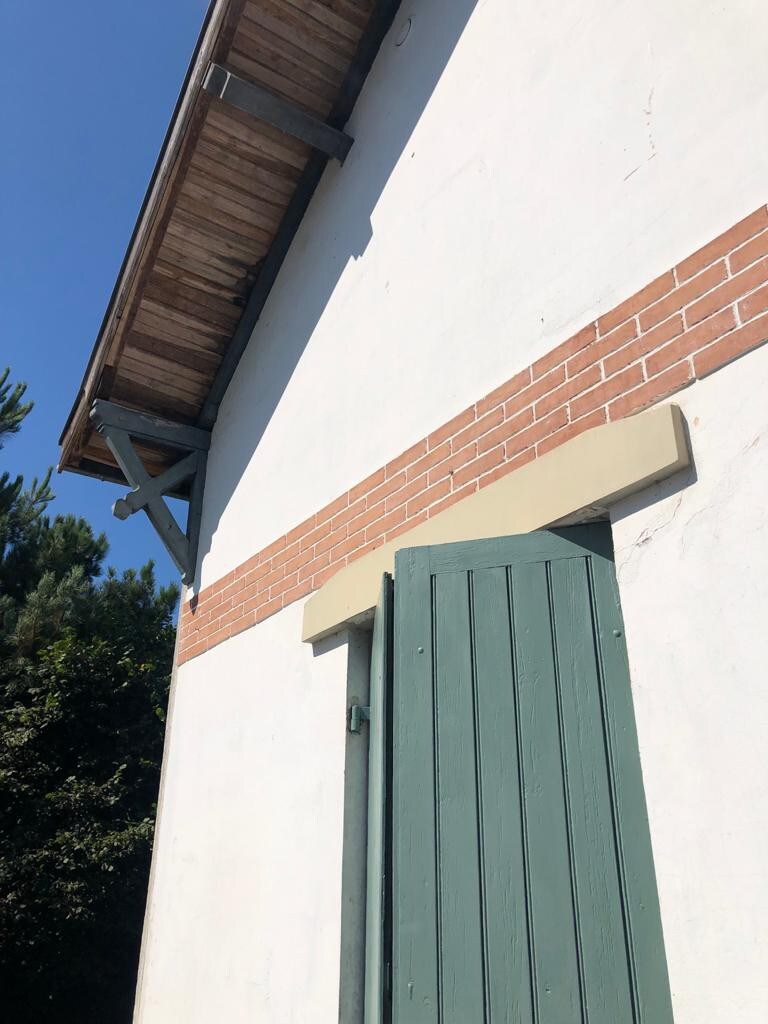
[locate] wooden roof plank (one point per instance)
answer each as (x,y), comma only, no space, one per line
(146,397)
(266,50)
(236,188)
(174,388)
(250,57)
(180,355)
(178,297)
(139,360)
(189,228)
(202,283)
(225,225)
(211,272)
(356,11)
(263,17)
(202,277)
(323,15)
(159,327)
(261,215)
(260,43)
(258,137)
(315,31)
(241,171)
(181,321)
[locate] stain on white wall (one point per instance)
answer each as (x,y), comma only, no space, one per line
(517,169)
(692,565)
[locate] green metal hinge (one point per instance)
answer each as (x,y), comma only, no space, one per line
(358,714)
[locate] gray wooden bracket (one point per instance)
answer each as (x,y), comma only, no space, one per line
(119,427)
(144,427)
(266,106)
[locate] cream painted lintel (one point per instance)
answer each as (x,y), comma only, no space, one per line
(585,474)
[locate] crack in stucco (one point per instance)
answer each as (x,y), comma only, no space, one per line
(644,538)
(648,111)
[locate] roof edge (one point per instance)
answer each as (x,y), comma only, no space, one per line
(206,44)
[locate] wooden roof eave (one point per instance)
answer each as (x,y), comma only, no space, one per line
(197,351)
(217,27)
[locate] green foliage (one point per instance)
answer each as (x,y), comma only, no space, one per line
(12,412)
(12,409)
(84,671)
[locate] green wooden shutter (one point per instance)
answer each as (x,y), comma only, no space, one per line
(523,882)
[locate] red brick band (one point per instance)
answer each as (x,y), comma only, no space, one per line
(695,318)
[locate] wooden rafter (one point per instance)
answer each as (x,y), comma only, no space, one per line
(287,117)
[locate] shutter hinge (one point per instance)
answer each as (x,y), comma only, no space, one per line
(358,714)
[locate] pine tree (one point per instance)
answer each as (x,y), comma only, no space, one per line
(12,413)
(84,672)
(12,409)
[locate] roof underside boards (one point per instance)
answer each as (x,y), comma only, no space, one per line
(215,207)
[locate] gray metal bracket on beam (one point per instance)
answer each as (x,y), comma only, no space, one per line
(266,106)
(118,426)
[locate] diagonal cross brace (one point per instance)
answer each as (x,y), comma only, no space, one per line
(155,487)
(159,514)
(117,426)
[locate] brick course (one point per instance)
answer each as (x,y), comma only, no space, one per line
(687,323)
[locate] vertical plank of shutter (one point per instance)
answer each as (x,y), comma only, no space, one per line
(557,969)
(605,978)
(462,969)
(416,939)
(509,950)
(643,927)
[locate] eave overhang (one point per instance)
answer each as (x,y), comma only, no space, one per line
(269,90)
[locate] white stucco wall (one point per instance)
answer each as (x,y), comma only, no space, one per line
(692,566)
(244,919)
(243,923)
(517,169)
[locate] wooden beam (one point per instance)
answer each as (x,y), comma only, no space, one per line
(148,428)
(281,114)
(195,514)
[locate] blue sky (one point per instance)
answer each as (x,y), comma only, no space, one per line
(86,93)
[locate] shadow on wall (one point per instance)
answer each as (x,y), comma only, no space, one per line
(673,487)
(337,227)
